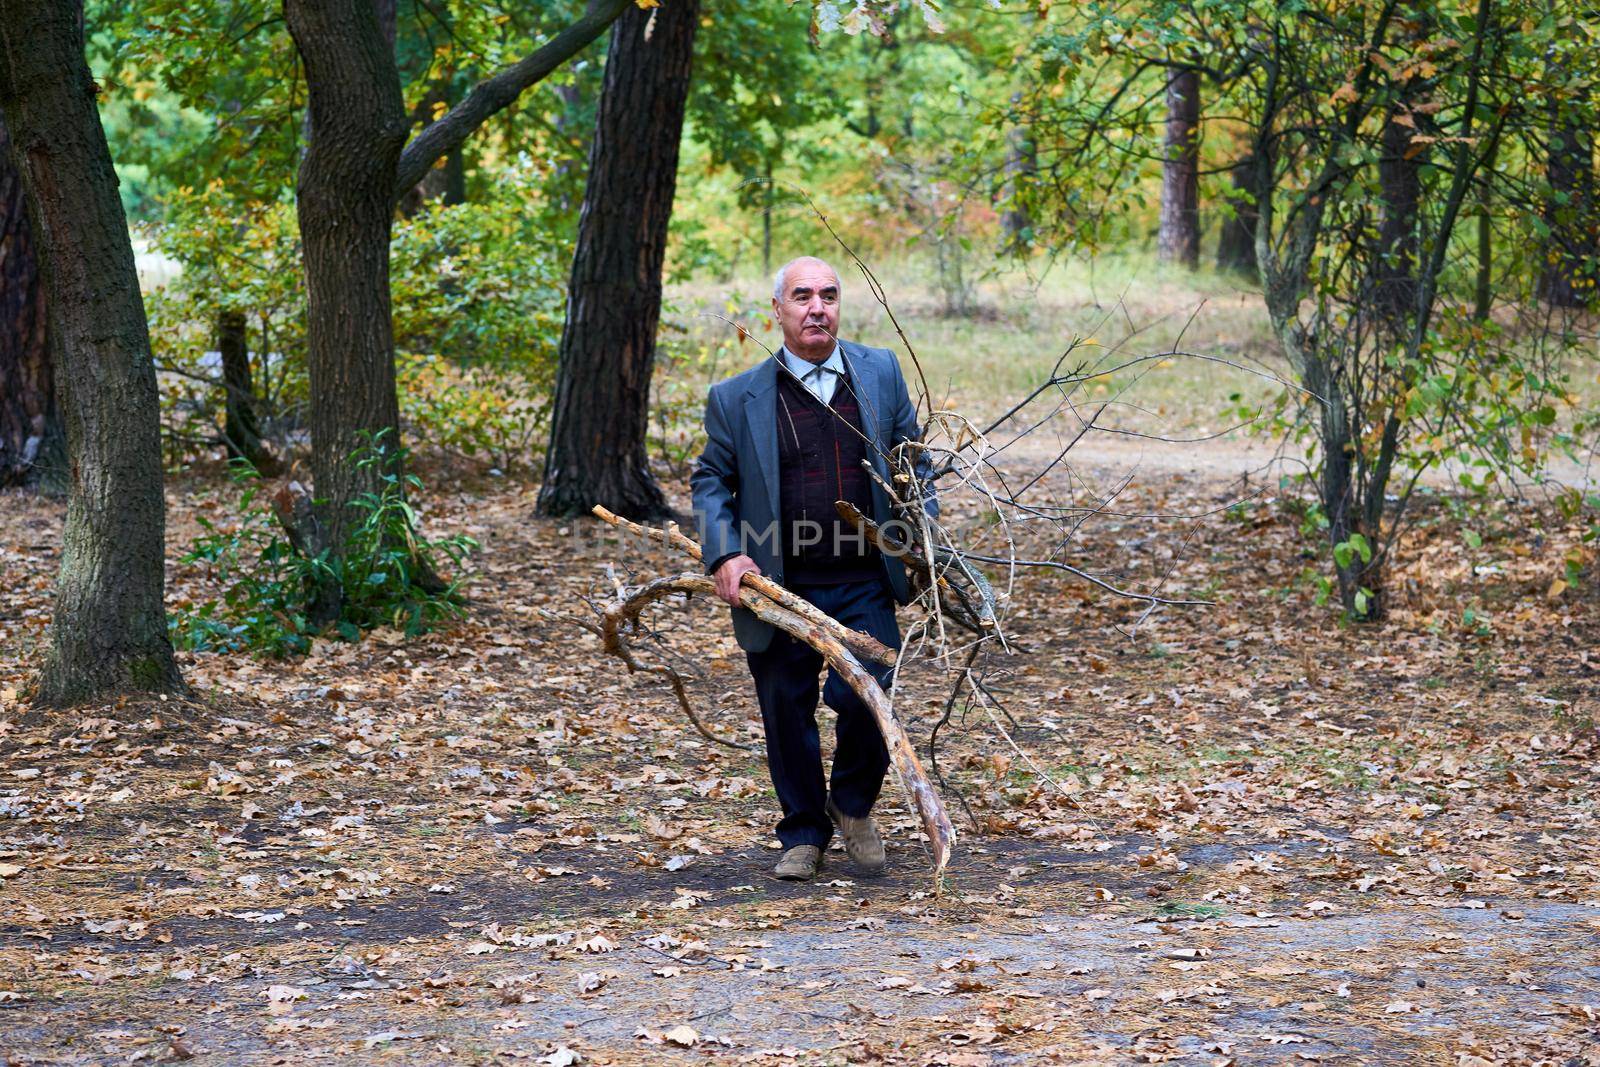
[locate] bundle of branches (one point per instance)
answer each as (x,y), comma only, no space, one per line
(840,647)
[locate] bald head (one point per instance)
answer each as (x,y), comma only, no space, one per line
(805,299)
(781,279)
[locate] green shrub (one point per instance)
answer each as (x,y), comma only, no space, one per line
(478,293)
(384,572)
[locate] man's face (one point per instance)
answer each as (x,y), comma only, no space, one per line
(808,311)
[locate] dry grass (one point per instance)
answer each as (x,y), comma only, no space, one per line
(1125,304)
(1116,307)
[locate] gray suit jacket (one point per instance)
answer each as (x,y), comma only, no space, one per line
(735,482)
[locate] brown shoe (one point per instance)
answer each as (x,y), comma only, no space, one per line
(861,840)
(799,864)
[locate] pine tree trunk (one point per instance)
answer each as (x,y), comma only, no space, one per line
(1179,238)
(1569,274)
(1236,245)
(109,631)
(29,421)
(345,201)
(597,438)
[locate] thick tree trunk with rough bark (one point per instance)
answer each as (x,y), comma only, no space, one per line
(109,631)
(1179,237)
(1573,216)
(357,164)
(1236,244)
(345,200)
(597,437)
(30,427)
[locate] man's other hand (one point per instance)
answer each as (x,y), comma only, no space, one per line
(731,573)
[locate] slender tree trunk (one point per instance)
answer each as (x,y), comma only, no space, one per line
(1179,238)
(30,426)
(597,438)
(1483,283)
(767,198)
(345,200)
(240,430)
(1400,192)
(1569,274)
(1021,162)
(1236,244)
(109,631)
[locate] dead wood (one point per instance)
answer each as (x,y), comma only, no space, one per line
(974,609)
(833,640)
(292,505)
(863,644)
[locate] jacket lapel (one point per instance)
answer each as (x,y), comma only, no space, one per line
(761,416)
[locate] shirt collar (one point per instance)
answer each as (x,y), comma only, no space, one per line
(801,367)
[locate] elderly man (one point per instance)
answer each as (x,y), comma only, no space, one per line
(784,441)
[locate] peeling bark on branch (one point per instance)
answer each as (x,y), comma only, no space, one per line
(863,644)
(822,633)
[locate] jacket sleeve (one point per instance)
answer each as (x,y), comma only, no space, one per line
(907,429)
(714,486)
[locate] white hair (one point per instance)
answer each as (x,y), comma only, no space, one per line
(783,271)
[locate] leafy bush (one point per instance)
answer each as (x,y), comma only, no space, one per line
(385,573)
(477,293)
(485,414)
(480,284)
(233,258)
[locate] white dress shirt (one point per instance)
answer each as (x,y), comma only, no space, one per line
(820,378)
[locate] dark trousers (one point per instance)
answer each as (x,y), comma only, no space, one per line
(786,685)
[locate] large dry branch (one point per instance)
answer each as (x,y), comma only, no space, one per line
(816,629)
(862,643)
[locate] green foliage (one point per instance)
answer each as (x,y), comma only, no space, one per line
(477,300)
(487,415)
(677,405)
(232,258)
(265,585)
(480,283)
(268,584)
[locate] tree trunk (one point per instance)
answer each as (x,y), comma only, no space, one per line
(1179,238)
(767,199)
(1568,277)
(29,421)
(1483,281)
(345,201)
(109,631)
(1360,583)
(240,431)
(1021,163)
(597,436)
(1394,293)
(1236,245)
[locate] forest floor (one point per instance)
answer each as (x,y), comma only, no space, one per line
(1246,833)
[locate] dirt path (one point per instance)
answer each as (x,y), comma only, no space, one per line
(1426,984)
(1258,461)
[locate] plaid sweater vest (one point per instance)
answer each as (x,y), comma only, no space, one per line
(820,452)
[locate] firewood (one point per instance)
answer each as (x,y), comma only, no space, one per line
(773,604)
(863,644)
(921,794)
